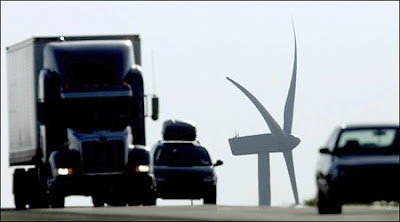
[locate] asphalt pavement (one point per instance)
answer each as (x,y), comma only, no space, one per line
(206,212)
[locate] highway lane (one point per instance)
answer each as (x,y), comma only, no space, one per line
(206,212)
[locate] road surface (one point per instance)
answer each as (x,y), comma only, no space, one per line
(206,212)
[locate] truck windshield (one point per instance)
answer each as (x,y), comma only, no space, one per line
(369,140)
(188,155)
(89,114)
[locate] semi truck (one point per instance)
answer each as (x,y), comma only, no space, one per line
(77,109)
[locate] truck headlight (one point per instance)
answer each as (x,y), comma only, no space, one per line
(64,171)
(142,169)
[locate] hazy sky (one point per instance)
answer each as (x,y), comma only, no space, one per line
(348,72)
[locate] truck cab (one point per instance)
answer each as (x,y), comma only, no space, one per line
(90,116)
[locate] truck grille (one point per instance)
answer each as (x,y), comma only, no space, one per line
(103,157)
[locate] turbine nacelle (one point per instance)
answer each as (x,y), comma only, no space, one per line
(289,143)
(263,143)
(293,141)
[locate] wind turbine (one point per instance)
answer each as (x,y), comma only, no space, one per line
(277,141)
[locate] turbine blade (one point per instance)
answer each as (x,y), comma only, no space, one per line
(289,164)
(289,106)
(272,124)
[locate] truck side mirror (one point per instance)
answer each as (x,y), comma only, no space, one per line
(155,108)
(325,150)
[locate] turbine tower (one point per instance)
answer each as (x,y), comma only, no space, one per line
(277,141)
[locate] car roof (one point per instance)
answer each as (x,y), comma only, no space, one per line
(193,142)
(170,143)
(368,126)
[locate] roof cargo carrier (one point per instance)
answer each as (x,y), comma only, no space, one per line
(179,130)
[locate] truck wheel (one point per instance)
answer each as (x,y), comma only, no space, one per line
(19,201)
(98,201)
(150,198)
(116,199)
(38,194)
(56,199)
(117,203)
(133,203)
(150,202)
(57,202)
(40,202)
(19,180)
(211,196)
(326,206)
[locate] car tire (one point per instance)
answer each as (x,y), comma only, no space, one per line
(211,196)
(328,206)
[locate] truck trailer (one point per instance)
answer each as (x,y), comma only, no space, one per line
(77,113)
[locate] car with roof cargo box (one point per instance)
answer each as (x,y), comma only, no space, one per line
(182,165)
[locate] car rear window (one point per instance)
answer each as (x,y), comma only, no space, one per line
(187,155)
(373,140)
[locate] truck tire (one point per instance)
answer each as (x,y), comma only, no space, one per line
(150,197)
(56,199)
(40,202)
(38,195)
(150,201)
(117,203)
(327,206)
(145,202)
(116,199)
(211,196)
(19,201)
(20,197)
(133,203)
(98,200)
(57,202)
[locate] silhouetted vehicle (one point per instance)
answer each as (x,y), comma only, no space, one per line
(76,110)
(182,166)
(359,164)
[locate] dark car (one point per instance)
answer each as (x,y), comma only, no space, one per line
(359,164)
(182,166)
(183,170)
